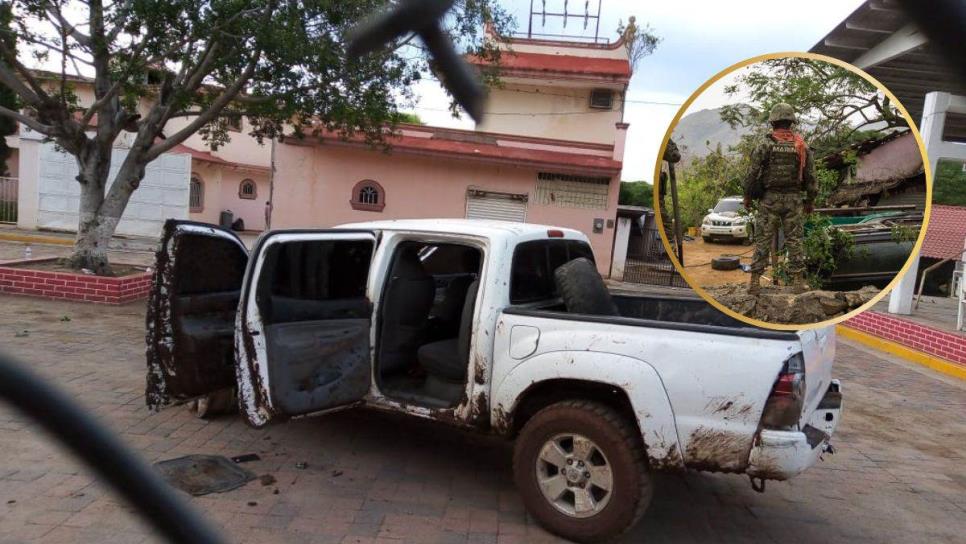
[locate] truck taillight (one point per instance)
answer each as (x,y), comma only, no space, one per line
(784,406)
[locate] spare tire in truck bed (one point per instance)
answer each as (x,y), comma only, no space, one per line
(726,262)
(582,289)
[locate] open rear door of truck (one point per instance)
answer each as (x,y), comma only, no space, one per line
(305,322)
(197,282)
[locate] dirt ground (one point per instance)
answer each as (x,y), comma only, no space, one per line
(697,262)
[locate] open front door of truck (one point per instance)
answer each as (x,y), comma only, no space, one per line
(191,312)
(305,322)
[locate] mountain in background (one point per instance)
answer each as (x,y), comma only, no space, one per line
(698,134)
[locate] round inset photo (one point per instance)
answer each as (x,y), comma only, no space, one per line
(793,189)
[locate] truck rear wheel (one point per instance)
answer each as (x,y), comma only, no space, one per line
(581,470)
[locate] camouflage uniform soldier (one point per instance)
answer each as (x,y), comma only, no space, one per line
(781,170)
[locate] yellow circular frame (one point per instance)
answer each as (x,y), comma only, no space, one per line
(927,168)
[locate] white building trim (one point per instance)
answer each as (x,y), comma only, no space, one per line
(937,105)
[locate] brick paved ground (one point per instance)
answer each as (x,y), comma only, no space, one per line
(898,475)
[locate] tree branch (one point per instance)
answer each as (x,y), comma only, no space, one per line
(27,120)
(214,109)
(36,93)
(65,27)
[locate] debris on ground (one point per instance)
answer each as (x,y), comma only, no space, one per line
(336,473)
(266,479)
(301,465)
(21,334)
(202,474)
(245,458)
(777,304)
(65,318)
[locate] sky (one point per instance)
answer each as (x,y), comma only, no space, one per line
(699,39)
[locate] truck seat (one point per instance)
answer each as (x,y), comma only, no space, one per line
(408,300)
(448,359)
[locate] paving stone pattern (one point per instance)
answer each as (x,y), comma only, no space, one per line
(898,474)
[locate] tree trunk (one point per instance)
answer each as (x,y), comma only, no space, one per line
(90,247)
(94,230)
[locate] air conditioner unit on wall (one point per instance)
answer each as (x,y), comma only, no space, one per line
(602,99)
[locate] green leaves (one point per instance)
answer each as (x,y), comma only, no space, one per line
(833,103)
(636,193)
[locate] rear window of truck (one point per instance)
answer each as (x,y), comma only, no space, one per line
(531,277)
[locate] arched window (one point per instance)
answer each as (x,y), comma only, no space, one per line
(247,190)
(368,195)
(196,194)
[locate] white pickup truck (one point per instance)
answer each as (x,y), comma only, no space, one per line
(501,327)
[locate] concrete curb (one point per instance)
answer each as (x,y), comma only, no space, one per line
(35,239)
(931,361)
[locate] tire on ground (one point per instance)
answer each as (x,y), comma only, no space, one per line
(726,262)
(620,442)
(582,289)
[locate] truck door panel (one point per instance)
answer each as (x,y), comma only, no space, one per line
(316,363)
(194,297)
(311,306)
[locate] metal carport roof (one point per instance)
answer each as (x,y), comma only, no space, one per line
(881,39)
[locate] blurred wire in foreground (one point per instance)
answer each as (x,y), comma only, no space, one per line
(423,18)
(110,458)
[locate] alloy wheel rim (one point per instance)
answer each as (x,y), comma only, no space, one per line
(574,475)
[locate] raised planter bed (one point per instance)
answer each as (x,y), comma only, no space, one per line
(29,277)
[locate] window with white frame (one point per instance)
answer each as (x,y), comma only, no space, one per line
(368,195)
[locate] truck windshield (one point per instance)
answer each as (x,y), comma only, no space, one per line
(534,263)
(725,206)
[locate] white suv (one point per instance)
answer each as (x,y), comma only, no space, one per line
(728,220)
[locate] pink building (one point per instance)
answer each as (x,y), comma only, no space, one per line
(550,151)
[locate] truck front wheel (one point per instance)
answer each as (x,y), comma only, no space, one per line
(581,469)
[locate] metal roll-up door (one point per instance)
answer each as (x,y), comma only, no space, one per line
(496,206)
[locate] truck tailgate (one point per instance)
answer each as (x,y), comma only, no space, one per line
(818,349)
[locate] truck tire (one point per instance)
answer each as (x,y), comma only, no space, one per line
(726,262)
(599,440)
(707,239)
(582,289)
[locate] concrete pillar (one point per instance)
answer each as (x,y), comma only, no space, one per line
(619,256)
(620,141)
(936,105)
(28,183)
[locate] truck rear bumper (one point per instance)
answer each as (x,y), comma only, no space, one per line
(781,455)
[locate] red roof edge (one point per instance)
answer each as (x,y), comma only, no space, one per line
(206,156)
(488,152)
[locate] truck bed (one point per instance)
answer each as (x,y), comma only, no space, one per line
(671,311)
